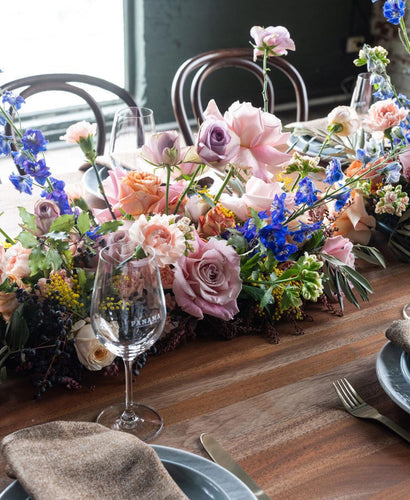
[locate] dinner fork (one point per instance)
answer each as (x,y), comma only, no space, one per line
(357,407)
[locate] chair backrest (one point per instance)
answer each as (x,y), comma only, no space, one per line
(68,82)
(206,63)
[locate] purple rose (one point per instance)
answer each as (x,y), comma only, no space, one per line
(216,144)
(45,212)
(207,281)
(163,149)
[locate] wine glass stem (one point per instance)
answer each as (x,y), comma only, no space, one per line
(128,414)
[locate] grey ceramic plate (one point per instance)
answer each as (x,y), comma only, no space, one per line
(305,144)
(89,180)
(391,377)
(198,477)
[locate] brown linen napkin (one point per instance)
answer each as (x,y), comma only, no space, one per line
(84,460)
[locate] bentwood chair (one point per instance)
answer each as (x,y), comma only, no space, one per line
(77,84)
(206,63)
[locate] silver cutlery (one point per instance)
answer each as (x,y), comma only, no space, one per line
(220,456)
(357,407)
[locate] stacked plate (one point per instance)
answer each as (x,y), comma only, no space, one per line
(393,372)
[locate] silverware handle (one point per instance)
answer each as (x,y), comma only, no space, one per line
(394,427)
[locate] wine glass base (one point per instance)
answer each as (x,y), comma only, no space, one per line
(147,425)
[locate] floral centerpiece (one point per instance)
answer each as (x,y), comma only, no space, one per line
(245,232)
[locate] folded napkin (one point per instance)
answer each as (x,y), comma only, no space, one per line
(316,124)
(83,460)
(399,333)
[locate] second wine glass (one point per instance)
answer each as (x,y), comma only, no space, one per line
(131,129)
(128,314)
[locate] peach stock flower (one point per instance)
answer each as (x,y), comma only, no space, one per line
(385,114)
(162,234)
(139,193)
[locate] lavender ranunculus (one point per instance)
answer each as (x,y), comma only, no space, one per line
(216,143)
(163,149)
(45,211)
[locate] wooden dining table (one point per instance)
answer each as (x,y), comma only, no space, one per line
(271,405)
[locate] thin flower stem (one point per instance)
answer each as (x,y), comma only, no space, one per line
(8,238)
(167,188)
(101,189)
(265,81)
(188,187)
(404,38)
(225,182)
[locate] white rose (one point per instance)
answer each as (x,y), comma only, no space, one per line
(346,117)
(91,353)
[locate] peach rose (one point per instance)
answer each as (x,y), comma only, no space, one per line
(215,222)
(162,234)
(385,114)
(8,301)
(139,193)
(355,223)
(16,261)
(77,131)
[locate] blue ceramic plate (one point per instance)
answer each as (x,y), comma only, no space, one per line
(405,365)
(89,180)
(307,145)
(391,377)
(198,478)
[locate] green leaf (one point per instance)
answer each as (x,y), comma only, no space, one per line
(353,275)
(37,260)
(63,223)
(206,198)
(53,259)
(6,286)
(83,222)
(28,220)
(28,240)
(254,292)
(267,297)
(291,298)
(109,227)
(17,332)
(3,374)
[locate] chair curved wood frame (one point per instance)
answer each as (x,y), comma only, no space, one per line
(209,62)
(64,82)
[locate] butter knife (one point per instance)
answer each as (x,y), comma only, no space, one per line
(223,458)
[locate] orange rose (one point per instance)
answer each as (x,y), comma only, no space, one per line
(139,192)
(215,222)
(355,223)
(356,168)
(8,301)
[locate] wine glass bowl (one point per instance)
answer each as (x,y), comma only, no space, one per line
(362,96)
(128,314)
(131,128)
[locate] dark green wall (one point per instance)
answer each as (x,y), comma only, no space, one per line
(175,30)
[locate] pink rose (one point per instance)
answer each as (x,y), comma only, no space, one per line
(275,38)
(405,163)
(341,248)
(207,281)
(45,211)
(216,145)
(80,130)
(112,191)
(175,191)
(236,204)
(259,195)
(16,261)
(163,149)
(385,114)
(260,135)
(162,234)
(195,207)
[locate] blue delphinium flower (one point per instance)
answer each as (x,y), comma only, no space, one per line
(392,171)
(370,152)
(306,192)
(334,172)
(384,91)
(5,148)
(16,101)
(38,170)
(22,183)
(305,232)
(93,233)
(341,198)
(278,209)
(273,236)
(34,141)
(393,10)
(58,195)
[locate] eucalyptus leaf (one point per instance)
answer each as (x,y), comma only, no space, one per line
(357,277)
(17,332)
(369,254)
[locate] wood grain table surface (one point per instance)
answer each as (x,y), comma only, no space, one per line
(272,406)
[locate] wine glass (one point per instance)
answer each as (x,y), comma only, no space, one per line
(131,128)
(128,314)
(362,96)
